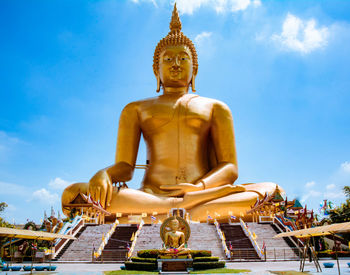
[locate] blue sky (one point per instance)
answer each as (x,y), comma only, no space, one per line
(69,67)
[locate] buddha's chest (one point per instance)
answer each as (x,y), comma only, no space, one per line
(174,238)
(185,113)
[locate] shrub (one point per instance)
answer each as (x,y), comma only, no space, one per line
(146,260)
(200,253)
(140,266)
(171,257)
(153,253)
(150,253)
(206,259)
(208,265)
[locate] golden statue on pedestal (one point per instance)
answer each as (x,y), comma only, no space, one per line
(175,237)
(191,155)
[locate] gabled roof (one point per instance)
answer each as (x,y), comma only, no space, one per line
(82,200)
(297,205)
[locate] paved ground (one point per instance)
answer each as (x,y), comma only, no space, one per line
(259,268)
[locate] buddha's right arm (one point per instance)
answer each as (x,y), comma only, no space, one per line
(129,134)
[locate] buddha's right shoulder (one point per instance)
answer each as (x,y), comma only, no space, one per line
(136,105)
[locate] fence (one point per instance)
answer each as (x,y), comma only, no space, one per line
(112,255)
(270,254)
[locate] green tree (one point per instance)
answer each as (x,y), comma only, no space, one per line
(3,223)
(3,205)
(342,213)
(346,190)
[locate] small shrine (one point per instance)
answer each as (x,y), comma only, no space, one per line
(290,213)
(264,209)
(91,211)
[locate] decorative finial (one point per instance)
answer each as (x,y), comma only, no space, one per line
(52,212)
(175,23)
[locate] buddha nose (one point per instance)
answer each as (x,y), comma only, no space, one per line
(176,61)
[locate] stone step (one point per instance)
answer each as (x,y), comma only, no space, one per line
(275,248)
(81,248)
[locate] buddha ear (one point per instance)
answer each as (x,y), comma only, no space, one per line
(192,83)
(158,83)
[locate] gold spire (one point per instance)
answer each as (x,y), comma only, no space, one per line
(175,23)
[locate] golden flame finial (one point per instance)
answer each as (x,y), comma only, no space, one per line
(175,23)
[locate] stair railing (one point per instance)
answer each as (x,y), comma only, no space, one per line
(252,239)
(105,239)
(70,228)
(132,247)
(222,238)
(283,228)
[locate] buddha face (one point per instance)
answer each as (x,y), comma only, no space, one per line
(175,66)
(174,224)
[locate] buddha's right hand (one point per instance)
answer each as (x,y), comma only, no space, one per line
(100,188)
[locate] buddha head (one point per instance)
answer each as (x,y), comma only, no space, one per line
(174,224)
(175,61)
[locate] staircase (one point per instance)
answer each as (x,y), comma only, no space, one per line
(203,237)
(117,247)
(276,249)
(149,238)
(64,249)
(81,249)
(242,248)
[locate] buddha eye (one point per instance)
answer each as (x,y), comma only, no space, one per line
(167,58)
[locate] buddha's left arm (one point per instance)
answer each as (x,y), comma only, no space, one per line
(223,139)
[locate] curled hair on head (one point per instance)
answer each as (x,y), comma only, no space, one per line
(174,38)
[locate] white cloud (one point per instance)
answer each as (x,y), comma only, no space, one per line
(310,194)
(345,166)
(301,36)
(154,2)
(233,5)
(11,208)
(334,195)
(7,143)
(330,186)
(45,196)
(12,189)
(309,184)
(189,6)
(58,183)
(201,38)
(220,6)
(257,3)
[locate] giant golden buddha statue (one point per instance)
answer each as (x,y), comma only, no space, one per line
(190,142)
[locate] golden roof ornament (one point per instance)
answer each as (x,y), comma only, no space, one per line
(175,37)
